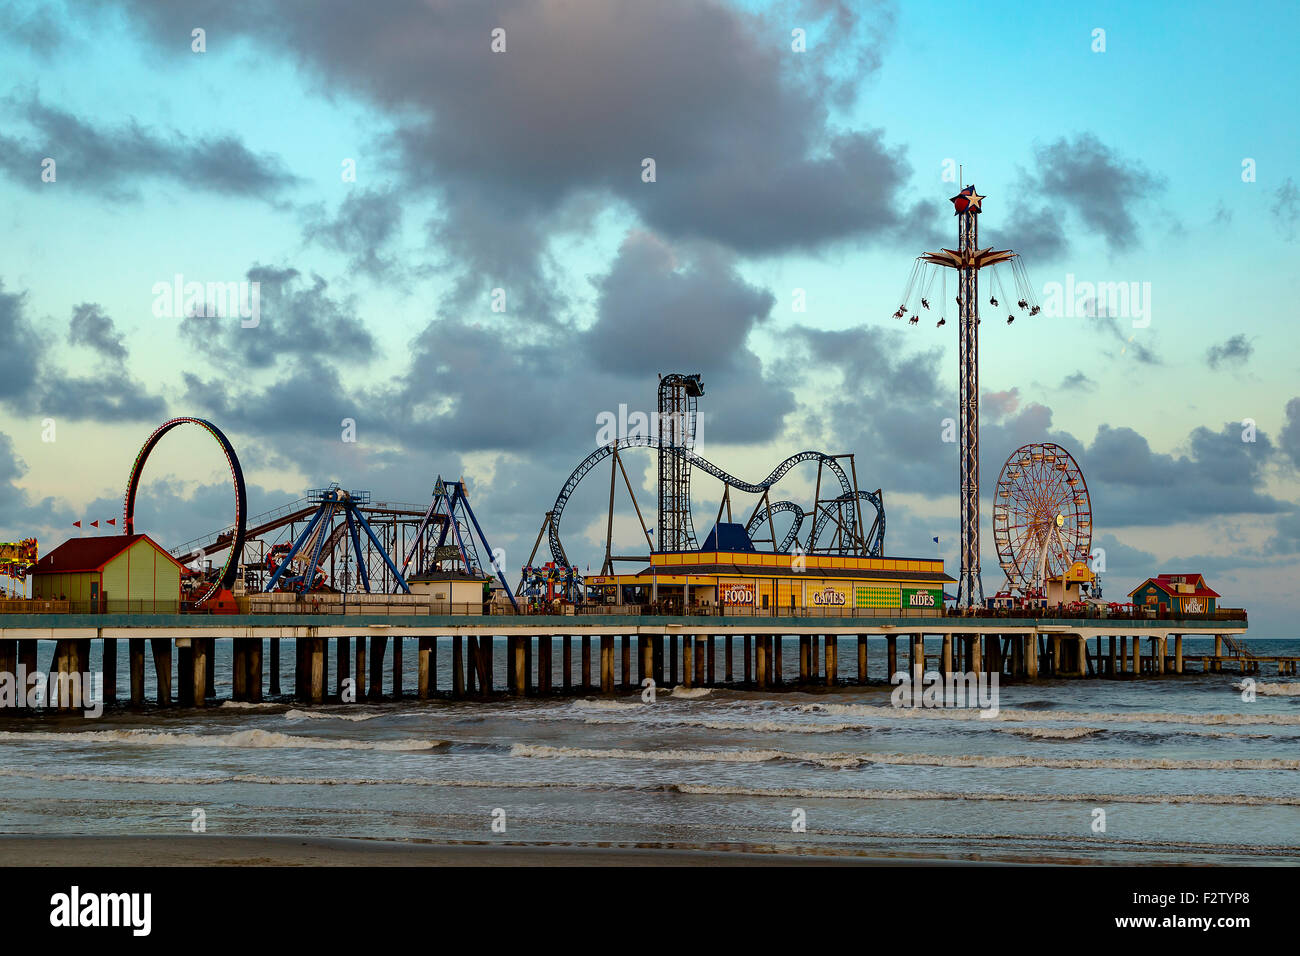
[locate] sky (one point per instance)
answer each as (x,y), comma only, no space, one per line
(456,248)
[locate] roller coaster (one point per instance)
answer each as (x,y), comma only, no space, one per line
(836,528)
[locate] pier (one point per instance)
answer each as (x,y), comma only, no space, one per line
(590,654)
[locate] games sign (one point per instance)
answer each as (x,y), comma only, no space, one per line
(827,597)
(736,594)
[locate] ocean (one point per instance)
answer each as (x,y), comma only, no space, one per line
(1163,770)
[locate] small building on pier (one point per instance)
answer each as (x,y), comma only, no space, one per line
(1176,594)
(118,572)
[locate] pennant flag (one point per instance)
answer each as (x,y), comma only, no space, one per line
(76,524)
(112,521)
(936,540)
(95,523)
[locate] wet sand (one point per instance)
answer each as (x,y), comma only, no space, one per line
(217,850)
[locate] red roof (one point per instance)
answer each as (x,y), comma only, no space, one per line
(91,554)
(1169,584)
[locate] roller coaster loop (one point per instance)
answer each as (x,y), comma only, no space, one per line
(226,579)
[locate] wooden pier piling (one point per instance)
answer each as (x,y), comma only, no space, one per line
(607,663)
(862,658)
(162,665)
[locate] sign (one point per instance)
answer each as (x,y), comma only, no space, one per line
(1194,605)
(922,597)
(827,597)
(736,594)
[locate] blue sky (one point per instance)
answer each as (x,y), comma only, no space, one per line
(821,171)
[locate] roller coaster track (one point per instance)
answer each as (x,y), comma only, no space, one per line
(708,467)
(875,538)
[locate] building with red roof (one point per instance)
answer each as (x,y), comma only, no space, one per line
(110,572)
(1176,594)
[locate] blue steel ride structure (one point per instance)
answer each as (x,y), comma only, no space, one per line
(307,550)
(450,507)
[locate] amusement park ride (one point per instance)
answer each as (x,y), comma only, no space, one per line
(1042,525)
(16,561)
(967,260)
(837,513)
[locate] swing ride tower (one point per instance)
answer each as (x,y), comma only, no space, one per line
(967,260)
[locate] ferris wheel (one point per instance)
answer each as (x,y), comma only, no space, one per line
(1042,516)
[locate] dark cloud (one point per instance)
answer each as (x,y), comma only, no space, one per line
(92,328)
(507,142)
(1235,351)
(1097,184)
(1036,233)
(296,321)
(34,29)
(31,383)
(366,221)
(1078,381)
(1216,473)
(1288,438)
(114,162)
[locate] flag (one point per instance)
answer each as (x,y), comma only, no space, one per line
(76,524)
(936,540)
(112,521)
(95,523)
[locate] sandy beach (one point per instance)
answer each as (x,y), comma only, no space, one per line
(215,850)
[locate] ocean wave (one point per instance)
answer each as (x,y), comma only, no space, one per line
(1052,733)
(244,738)
(1286,689)
(586,703)
(249,705)
(809,793)
(832,760)
(758,726)
(841,761)
(296,714)
(691,693)
(1014,715)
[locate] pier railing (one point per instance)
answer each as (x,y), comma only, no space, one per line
(404,605)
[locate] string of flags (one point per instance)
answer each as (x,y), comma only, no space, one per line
(95,523)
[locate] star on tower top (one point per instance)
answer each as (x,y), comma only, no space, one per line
(967,199)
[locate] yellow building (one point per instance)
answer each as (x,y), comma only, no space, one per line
(123,572)
(758,580)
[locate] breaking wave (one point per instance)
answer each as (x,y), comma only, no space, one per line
(1019,715)
(851,760)
(244,738)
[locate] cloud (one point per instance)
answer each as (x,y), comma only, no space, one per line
(507,143)
(92,328)
(296,322)
(31,383)
(1288,438)
(366,221)
(1078,381)
(1235,351)
(1215,473)
(1285,208)
(1097,184)
(114,162)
